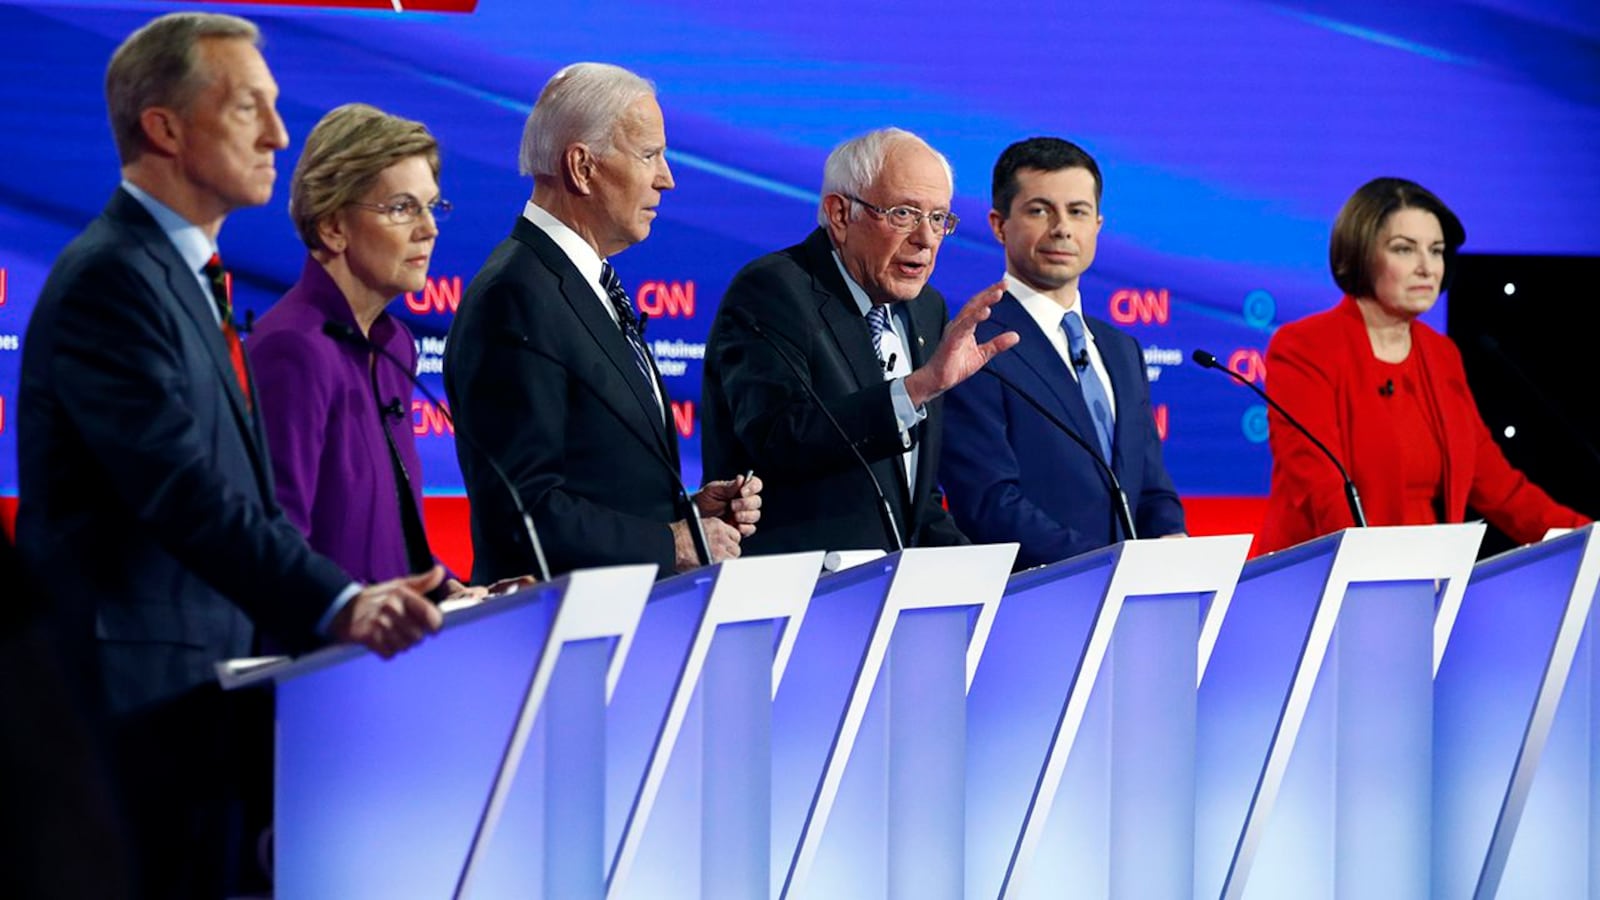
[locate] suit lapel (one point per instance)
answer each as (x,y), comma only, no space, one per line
(1038,356)
(839,313)
(184,288)
(642,414)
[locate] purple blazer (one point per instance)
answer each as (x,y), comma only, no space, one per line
(325,428)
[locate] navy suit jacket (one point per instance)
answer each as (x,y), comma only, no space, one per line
(146,498)
(543,379)
(815,495)
(1011,475)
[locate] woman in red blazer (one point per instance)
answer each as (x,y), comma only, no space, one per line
(1386,392)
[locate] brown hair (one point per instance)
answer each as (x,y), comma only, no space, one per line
(343,157)
(1352,247)
(156,66)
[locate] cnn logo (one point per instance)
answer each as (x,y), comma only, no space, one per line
(1131,305)
(439,295)
(674,299)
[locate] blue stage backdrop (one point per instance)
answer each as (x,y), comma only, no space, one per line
(1229,131)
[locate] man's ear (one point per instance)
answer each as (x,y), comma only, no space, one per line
(997,223)
(162,128)
(837,209)
(578,167)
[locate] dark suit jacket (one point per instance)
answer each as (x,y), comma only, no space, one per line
(146,497)
(815,495)
(1322,369)
(542,378)
(1013,476)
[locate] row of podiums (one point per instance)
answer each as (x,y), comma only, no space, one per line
(1369,715)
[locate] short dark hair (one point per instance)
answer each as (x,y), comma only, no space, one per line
(1355,231)
(1046,154)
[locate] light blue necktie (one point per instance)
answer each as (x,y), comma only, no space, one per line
(1094,393)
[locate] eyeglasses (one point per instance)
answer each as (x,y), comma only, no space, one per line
(405,209)
(909,218)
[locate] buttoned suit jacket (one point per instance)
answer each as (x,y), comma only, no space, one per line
(1013,476)
(146,496)
(543,380)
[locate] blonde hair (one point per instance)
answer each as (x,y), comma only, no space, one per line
(344,156)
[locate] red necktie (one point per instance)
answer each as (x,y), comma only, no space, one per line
(218,276)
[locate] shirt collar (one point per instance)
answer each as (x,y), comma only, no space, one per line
(191,242)
(583,256)
(1044,310)
(857,292)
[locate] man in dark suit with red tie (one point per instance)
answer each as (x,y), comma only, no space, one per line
(146,500)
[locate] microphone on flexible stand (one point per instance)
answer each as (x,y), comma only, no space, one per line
(748,320)
(347,334)
(1352,499)
(1124,515)
(686,507)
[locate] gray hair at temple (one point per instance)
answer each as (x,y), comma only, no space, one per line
(579,104)
(157,66)
(854,165)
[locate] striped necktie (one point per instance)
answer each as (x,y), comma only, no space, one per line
(217,276)
(632,330)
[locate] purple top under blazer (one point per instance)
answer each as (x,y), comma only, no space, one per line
(325,428)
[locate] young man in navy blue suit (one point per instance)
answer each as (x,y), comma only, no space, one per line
(1010,473)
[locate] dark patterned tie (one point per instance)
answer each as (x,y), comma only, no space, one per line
(1094,392)
(629,321)
(218,277)
(878,323)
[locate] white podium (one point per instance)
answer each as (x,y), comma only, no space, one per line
(465,766)
(869,725)
(1315,737)
(1080,767)
(688,733)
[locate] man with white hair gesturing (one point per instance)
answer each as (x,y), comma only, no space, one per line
(850,312)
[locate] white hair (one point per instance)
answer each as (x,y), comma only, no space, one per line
(579,104)
(854,165)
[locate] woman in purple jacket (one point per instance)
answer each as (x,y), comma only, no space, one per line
(365,200)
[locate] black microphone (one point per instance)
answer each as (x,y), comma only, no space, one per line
(686,507)
(746,318)
(1492,346)
(1081,361)
(347,334)
(394,410)
(1386,389)
(1353,499)
(1123,514)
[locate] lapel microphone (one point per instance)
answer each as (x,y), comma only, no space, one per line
(1386,389)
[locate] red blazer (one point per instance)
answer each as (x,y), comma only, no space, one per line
(1322,370)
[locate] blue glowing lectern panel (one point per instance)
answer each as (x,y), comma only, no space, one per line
(1081,718)
(391,776)
(689,730)
(1315,731)
(1512,720)
(869,725)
